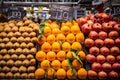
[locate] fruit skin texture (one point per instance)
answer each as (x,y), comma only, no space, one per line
(96,67)
(92,75)
(70,75)
(81,54)
(90,58)
(88,42)
(40,56)
(115,51)
(102,35)
(97,27)
(82,73)
(61,55)
(106,67)
(86,28)
(60,37)
(80,37)
(51,38)
(118,58)
(102,75)
(51,56)
(76,64)
(94,50)
(109,42)
(107,27)
(65,65)
(117,27)
(45,64)
(99,43)
(56,47)
(46,47)
(66,46)
(110,59)
(116,67)
(61,74)
(56,64)
(93,35)
(39,73)
(113,35)
(113,75)
(50,73)
(117,42)
(100,59)
(76,46)
(70,38)
(65,30)
(104,51)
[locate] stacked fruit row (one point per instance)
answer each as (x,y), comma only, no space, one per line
(103,43)
(56,57)
(17,49)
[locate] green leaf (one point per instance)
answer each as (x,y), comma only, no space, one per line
(41,28)
(73,50)
(69,62)
(78,58)
(74,72)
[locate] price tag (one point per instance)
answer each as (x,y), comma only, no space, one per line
(116,10)
(16,13)
(61,12)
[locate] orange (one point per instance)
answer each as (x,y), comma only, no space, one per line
(76,64)
(47,31)
(40,56)
(41,41)
(46,47)
(69,24)
(82,55)
(61,55)
(60,37)
(55,31)
(65,65)
(56,47)
(76,46)
(65,30)
(51,38)
(51,56)
(39,73)
(54,25)
(61,74)
(80,37)
(56,64)
(82,74)
(45,64)
(75,29)
(69,55)
(63,24)
(70,75)
(70,38)
(50,73)
(66,46)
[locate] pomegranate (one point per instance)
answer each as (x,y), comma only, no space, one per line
(116,67)
(81,21)
(106,17)
(92,75)
(117,27)
(110,59)
(86,28)
(97,27)
(100,59)
(107,27)
(90,22)
(106,67)
(89,42)
(104,51)
(91,17)
(93,35)
(102,75)
(109,42)
(99,43)
(113,75)
(96,67)
(94,50)
(102,35)
(113,35)
(90,58)
(117,42)
(118,58)
(115,51)
(113,23)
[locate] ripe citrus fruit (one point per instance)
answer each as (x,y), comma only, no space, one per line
(51,56)
(40,56)
(69,24)
(75,29)
(82,74)
(45,64)
(61,74)
(56,64)
(69,55)
(61,55)
(60,37)
(56,47)
(82,55)
(41,41)
(50,73)
(47,31)
(70,38)
(76,64)
(51,38)
(54,25)
(80,37)
(39,73)
(66,46)
(70,75)
(65,30)
(76,46)
(65,65)
(46,47)
(55,31)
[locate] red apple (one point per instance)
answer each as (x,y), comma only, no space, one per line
(94,50)
(88,42)
(118,58)
(102,35)
(99,43)
(117,42)
(106,67)
(116,67)
(102,75)
(96,67)
(113,75)
(113,35)
(93,35)
(97,27)
(117,27)
(86,28)
(109,42)
(115,51)
(107,27)
(104,51)
(113,23)
(110,59)
(92,75)
(90,58)
(100,59)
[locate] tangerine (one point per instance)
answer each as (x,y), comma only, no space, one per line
(56,64)
(40,56)
(45,64)
(66,46)
(46,47)
(51,56)
(61,55)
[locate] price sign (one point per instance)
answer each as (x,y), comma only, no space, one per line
(116,10)
(16,13)
(61,12)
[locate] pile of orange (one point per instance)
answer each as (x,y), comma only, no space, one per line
(56,46)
